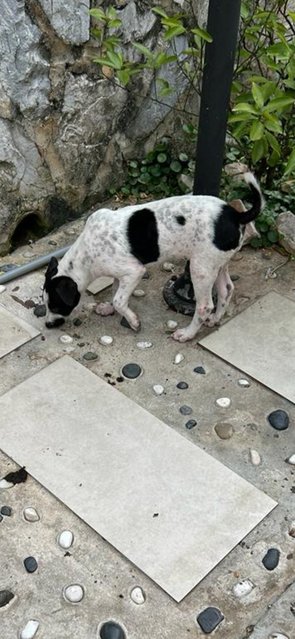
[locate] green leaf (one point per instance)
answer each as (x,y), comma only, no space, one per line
(272,236)
(114,24)
(202,33)
(279,50)
(175,166)
(240,117)
(244,106)
(142,49)
(104,62)
(123,76)
(116,59)
(280,103)
(156,170)
(165,88)
(160,12)
(162,158)
(99,14)
(272,141)
(257,95)
(172,32)
(290,168)
(162,58)
(256,131)
(183,157)
(257,151)
(244,10)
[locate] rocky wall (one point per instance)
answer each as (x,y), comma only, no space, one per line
(65,130)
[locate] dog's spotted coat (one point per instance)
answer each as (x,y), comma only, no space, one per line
(203,229)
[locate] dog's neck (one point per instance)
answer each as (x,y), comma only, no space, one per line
(70,266)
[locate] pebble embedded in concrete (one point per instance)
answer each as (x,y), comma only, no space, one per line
(243,588)
(2,288)
(279,419)
(291,460)
(106,340)
(244,383)
(168,267)
(185,410)
(65,539)
(158,389)
(292,529)
(137,595)
(138,292)
(271,559)
(223,402)
(254,457)
(209,619)
(277,635)
(66,339)
(111,630)
(182,385)
(179,357)
(74,593)
(144,345)
(171,325)
(30,514)
(30,564)
(224,430)
(4,484)
(30,630)
(131,370)
(40,310)
(200,370)
(191,423)
(90,356)
(5,597)
(6,511)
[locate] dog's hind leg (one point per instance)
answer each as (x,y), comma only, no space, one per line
(225,289)
(203,280)
(127,284)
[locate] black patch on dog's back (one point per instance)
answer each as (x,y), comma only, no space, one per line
(227,229)
(181,220)
(143,236)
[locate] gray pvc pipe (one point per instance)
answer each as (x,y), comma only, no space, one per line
(32,266)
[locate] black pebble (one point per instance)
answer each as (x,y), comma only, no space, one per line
(131,371)
(182,385)
(146,276)
(271,559)
(1,518)
(185,410)
(111,630)
(18,477)
(125,323)
(190,424)
(90,356)
(200,370)
(209,619)
(5,597)
(77,321)
(30,564)
(40,310)
(6,510)
(279,419)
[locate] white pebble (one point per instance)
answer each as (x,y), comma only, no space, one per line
(292,529)
(254,457)
(30,629)
(277,635)
(291,460)
(66,339)
(158,389)
(138,292)
(243,588)
(172,324)
(168,266)
(106,340)
(137,595)
(5,484)
(143,345)
(30,514)
(2,288)
(223,402)
(74,593)
(178,358)
(65,539)
(244,383)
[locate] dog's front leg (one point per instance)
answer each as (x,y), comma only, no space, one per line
(202,281)
(127,284)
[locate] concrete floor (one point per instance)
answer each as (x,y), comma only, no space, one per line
(106,576)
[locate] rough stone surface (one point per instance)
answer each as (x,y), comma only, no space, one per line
(286,228)
(65,129)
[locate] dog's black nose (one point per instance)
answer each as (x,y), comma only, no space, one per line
(55,323)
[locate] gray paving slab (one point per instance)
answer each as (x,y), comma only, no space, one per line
(260,341)
(75,434)
(14,332)
(100,284)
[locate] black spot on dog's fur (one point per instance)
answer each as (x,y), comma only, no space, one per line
(142,233)
(227,229)
(181,220)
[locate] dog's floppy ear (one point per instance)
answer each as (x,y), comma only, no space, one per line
(51,269)
(67,290)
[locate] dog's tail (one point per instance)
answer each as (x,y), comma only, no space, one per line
(257,200)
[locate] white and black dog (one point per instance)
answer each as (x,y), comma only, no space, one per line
(203,229)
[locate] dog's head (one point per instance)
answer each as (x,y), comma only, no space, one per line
(61,295)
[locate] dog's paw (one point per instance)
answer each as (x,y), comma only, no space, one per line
(104,309)
(211,321)
(182,335)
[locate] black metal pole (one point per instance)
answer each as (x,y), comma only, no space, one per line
(223,26)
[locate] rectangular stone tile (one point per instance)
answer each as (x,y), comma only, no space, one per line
(260,341)
(100,284)
(169,507)
(13,332)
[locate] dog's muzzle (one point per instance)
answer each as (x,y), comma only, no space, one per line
(55,322)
